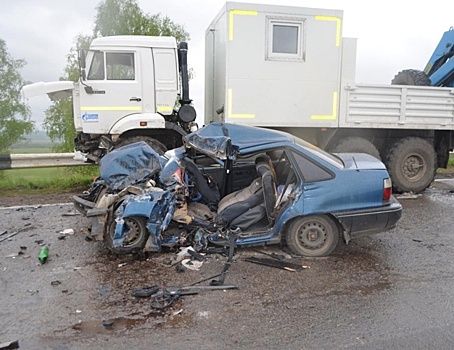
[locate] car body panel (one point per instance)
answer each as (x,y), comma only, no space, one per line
(346,187)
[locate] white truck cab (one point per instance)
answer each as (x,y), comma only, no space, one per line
(128,90)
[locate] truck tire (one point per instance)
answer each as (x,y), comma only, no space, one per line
(411,163)
(355,144)
(411,77)
(155,144)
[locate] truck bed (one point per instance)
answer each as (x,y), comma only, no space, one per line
(397,107)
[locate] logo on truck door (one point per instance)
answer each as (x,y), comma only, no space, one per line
(90,117)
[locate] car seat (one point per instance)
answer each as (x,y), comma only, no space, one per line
(249,205)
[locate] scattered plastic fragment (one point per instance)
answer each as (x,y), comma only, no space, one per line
(275,263)
(177,312)
(145,292)
(68,231)
(55,283)
(107,323)
(167,261)
(196,255)
(408,195)
(9,345)
(192,264)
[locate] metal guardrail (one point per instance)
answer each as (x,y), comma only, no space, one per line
(40,160)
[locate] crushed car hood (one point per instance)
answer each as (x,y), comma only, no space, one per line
(129,164)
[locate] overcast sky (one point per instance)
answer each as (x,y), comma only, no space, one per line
(392,34)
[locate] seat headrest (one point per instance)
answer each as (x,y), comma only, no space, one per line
(262,164)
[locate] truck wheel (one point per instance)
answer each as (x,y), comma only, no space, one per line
(155,144)
(411,162)
(314,236)
(135,238)
(355,144)
(411,77)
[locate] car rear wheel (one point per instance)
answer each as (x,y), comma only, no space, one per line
(135,238)
(313,236)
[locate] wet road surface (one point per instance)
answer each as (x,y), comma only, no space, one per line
(388,291)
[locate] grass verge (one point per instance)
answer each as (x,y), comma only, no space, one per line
(46,180)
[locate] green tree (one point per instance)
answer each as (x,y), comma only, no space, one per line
(59,123)
(15,120)
(113,17)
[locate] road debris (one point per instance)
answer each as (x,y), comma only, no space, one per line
(68,231)
(145,292)
(9,345)
(276,263)
(43,254)
(165,298)
(107,323)
(409,195)
(194,265)
(24,228)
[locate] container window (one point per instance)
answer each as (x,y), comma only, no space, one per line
(285,40)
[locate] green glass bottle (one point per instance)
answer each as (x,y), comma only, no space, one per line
(43,254)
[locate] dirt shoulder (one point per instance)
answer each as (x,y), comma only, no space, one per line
(36,199)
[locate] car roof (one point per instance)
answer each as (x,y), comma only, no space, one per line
(225,140)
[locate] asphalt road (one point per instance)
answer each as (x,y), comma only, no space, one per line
(388,291)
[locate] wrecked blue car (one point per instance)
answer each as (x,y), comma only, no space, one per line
(232,183)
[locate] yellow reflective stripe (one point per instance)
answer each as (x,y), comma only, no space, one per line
(164,109)
(328,117)
(238,12)
(111,108)
(229,108)
(338,25)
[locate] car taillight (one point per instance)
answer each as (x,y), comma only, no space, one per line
(387,189)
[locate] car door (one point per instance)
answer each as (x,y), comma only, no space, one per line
(113,90)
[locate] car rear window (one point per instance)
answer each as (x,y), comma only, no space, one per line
(327,157)
(311,171)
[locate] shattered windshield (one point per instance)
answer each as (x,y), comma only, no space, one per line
(213,140)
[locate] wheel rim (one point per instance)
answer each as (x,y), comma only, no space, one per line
(312,235)
(414,167)
(133,233)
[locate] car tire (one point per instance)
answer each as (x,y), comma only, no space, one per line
(153,143)
(357,145)
(135,239)
(312,236)
(411,163)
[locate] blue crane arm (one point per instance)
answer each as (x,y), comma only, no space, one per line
(440,67)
